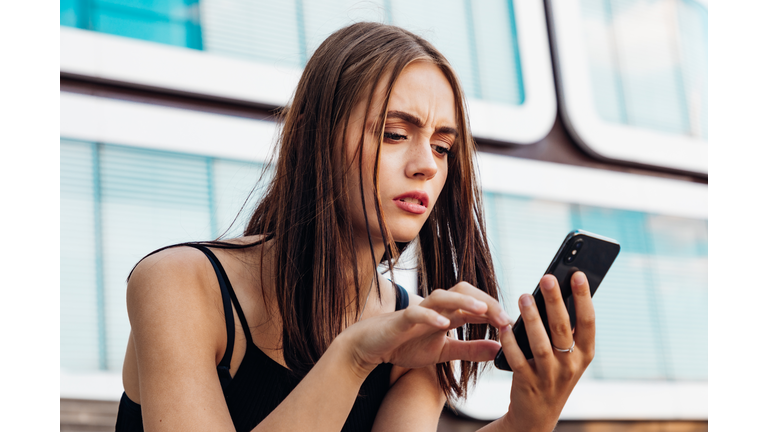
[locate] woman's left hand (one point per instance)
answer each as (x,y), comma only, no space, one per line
(541,386)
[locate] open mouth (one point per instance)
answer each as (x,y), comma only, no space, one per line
(414,202)
(411,200)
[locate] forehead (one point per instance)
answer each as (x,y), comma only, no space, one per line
(423,90)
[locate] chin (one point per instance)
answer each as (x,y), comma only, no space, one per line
(405,236)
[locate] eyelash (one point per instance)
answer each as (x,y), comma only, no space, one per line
(440,150)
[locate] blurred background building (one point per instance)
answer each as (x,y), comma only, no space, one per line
(589,114)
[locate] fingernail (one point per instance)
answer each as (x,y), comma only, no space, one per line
(479,304)
(505,329)
(579,278)
(547,284)
(526,300)
(442,321)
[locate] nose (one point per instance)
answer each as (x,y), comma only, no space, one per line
(421,160)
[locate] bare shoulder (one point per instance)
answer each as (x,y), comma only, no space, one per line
(177,268)
(172,286)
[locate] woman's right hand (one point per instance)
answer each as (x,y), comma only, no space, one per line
(418,336)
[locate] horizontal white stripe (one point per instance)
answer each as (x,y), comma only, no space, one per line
(601,400)
(590,400)
(575,184)
(115,121)
(106,386)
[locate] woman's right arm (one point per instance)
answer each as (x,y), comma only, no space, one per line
(177,331)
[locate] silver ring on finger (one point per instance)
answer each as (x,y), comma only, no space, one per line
(567,350)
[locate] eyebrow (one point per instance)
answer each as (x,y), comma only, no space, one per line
(412,119)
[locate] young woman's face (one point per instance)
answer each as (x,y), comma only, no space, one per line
(419,131)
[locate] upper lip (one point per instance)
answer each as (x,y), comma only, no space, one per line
(417,194)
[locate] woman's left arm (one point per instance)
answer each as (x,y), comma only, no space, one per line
(414,403)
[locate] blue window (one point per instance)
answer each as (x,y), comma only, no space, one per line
(173,22)
(118,204)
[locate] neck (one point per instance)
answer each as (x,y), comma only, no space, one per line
(366,267)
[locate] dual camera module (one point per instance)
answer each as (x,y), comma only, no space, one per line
(575,248)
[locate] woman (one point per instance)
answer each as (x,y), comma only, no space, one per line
(375,152)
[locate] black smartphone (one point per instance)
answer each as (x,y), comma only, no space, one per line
(581,251)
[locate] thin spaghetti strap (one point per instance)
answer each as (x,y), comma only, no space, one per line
(238,308)
(401,298)
(225,377)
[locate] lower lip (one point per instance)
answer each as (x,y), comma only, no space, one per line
(411,207)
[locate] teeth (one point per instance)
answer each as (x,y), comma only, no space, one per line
(411,200)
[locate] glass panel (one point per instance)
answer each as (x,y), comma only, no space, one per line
(233,181)
(323,18)
(692,19)
(648,63)
(498,58)
(652,305)
(445,24)
(681,271)
(261,30)
(524,234)
(68,12)
(78,290)
(173,22)
(150,199)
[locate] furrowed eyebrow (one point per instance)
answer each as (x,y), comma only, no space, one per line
(447,130)
(412,119)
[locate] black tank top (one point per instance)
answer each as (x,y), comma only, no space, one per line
(261,384)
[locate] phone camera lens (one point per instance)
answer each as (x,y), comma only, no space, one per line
(578,245)
(569,258)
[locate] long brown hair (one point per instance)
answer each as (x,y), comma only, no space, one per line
(306,209)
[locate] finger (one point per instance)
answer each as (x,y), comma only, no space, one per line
(476,350)
(461,317)
(557,313)
(416,314)
(515,357)
(495,312)
(585,315)
(442,300)
(541,346)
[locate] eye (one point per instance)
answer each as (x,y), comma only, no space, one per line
(442,151)
(396,137)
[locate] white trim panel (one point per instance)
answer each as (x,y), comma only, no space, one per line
(489,400)
(116,58)
(107,386)
(600,400)
(157,65)
(575,184)
(114,121)
(610,140)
